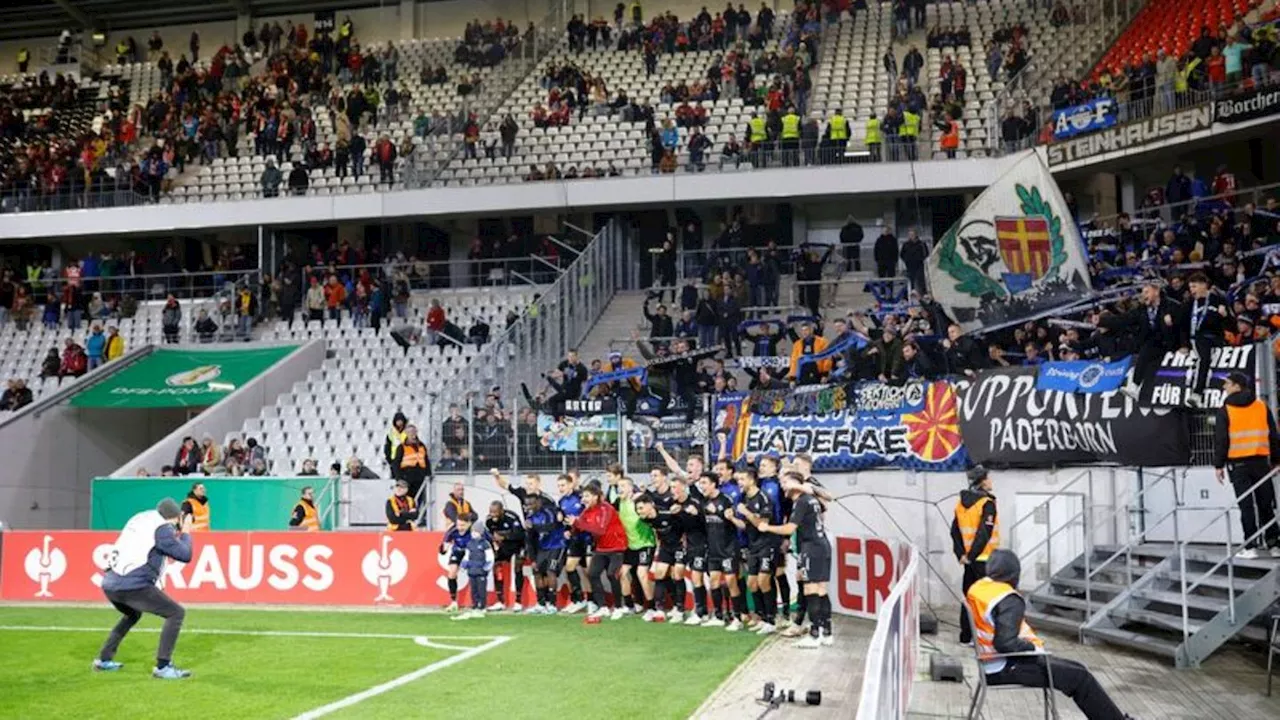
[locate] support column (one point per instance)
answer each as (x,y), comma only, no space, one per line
(408,19)
(1128,192)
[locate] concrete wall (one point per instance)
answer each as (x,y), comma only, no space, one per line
(229,414)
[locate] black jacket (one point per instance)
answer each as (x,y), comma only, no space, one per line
(1137,321)
(1221,436)
(886,250)
(914,253)
(1212,327)
(964,354)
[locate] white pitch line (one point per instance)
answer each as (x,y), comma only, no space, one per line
(277,633)
(390,685)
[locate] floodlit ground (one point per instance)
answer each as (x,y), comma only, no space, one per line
(250,664)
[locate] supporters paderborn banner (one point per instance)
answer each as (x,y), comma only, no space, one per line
(912,426)
(1082,376)
(1176,376)
(1005,420)
(1014,254)
(1083,118)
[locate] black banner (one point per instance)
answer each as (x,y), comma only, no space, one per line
(1006,421)
(324,21)
(1132,135)
(1175,377)
(1245,106)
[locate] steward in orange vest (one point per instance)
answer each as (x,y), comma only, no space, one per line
(411,462)
(402,509)
(950,141)
(305,516)
(1244,436)
(197,506)
(974,535)
(1000,628)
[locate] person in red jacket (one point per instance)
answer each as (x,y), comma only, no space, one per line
(601,520)
(435,321)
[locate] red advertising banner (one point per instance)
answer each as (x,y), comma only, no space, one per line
(865,571)
(338,568)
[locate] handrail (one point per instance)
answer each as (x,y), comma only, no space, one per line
(329,508)
(1229,560)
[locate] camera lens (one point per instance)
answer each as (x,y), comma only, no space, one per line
(813,697)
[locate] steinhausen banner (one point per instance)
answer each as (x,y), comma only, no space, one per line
(1131,135)
(913,426)
(1014,254)
(283,568)
(1087,117)
(1176,376)
(1006,421)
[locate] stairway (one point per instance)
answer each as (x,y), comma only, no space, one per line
(1136,601)
(624,313)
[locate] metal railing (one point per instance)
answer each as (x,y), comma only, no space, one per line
(141,287)
(437,274)
(1224,513)
(66,198)
(1157,217)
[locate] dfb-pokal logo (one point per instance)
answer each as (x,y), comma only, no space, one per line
(45,564)
(384,568)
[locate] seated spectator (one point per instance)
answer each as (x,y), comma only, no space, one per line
(699,144)
(309,468)
(74,361)
(271,179)
(16,396)
(52,365)
(187,460)
(358,470)
(210,455)
(235,453)
(206,329)
(731,151)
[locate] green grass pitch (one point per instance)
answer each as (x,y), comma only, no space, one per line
(250,664)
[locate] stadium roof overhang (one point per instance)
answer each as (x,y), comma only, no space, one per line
(21,19)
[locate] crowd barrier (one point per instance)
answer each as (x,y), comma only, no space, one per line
(889,672)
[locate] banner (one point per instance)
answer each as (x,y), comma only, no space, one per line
(917,428)
(1082,376)
(1087,117)
(1250,105)
(1131,135)
(591,433)
(1005,421)
(180,378)
(1176,376)
(281,568)
(1015,253)
(323,21)
(636,373)
(235,503)
(750,363)
(889,671)
(671,431)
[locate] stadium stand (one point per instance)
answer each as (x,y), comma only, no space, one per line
(1175,28)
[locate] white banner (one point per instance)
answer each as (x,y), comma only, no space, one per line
(1015,253)
(889,674)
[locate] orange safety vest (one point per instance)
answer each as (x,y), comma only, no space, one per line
(415,455)
(982,598)
(968,520)
(407,503)
(460,508)
(951,138)
(310,518)
(1248,431)
(199,514)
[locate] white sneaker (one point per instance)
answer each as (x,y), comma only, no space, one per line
(1275,551)
(497,607)
(1247,554)
(713,622)
(452,607)
(765,628)
(617,614)
(550,610)
(693,619)
(591,607)
(795,631)
(783,623)
(648,616)
(808,642)
(572,608)
(516,607)
(734,626)
(466,615)
(658,616)
(675,616)
(827,640)
(599,613)
(627,610)
(533,610)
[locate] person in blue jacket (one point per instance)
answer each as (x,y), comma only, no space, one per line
(547,523)
(95,346)
(131,583)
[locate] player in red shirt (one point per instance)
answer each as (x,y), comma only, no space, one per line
(601,520)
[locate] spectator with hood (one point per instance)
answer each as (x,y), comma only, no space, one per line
(395,437)
(412,463)
(187,460)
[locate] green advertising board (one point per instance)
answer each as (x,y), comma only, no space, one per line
(239,503)
(180,378)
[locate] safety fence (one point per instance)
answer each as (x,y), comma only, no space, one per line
(889,671)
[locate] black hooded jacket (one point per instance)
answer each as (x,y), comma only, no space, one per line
(968,498)
(388,451)
(1009,613)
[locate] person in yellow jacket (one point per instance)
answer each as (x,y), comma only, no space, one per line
(24,59)
(395,436)
(1000,628)
(975,534)
(874,138)
(909,133)
(196,507)
(305,517)
(122,52)
(115,343)
(402,509)
(790,137)
(837,136)
(757,136)
(1244,438)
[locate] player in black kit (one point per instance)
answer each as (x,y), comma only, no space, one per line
(666,526)
(815,557)
(722,548)
(762,548)
(695,547)
(507,530)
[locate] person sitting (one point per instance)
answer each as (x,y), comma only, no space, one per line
(205,328)
(17,396)
(74,360)
(731,151)
(51,365)
(998,612)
